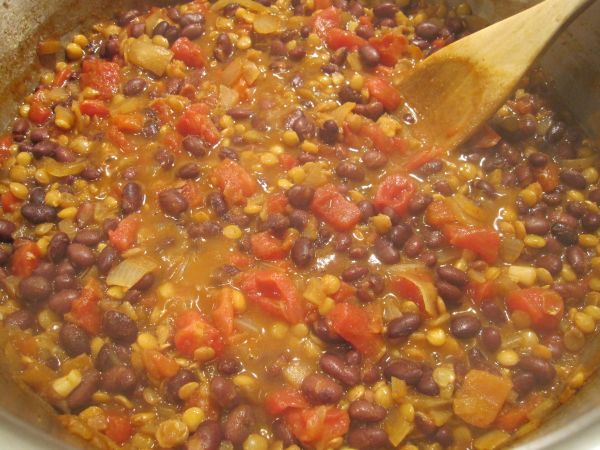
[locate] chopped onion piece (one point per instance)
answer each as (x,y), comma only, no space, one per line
(524,275)
(250,72)
(57,169)
(232,72)
(468,208)
(511,249)
(266,24)
(580,163)
(228,97)
(127,273)
(341,112)
(67,226)
(148,56)
(245,324)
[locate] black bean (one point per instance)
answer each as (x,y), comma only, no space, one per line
(136,30)
(386,9)
(299,219)
(302,252)
(192,31)
(22,319)
(413,246)
(404,369)
(543,370)
(224,392)
(135,86)
(347,94)
(321,389)
(191,18)
(491,338)
(38,135)
(172,202)
(368,438)
(119,380)
(303,126)
(112,355)
(576,257)
(61,302)
(223,47)
(367,210)
(127,17)
(107,259)
(556,132)
(239,424)
(37,214)
(365,411)
(444,436)
(369,55)
(81,256)
(74,340)
(427,30)
(339,369)
(90,173)
(403,326)
(465,326)
(183,377)
(374,159)
(208,436)
(453,275)
(427,384)
(552,263)
(81,396)
(119,327)
(449,293)
(573,178)
(372,110)
(277,222)
(564,233)
(20,129)
(7,228)
(419,203)
(34,289)
(300,196)
(385,252)
(538,159)
(229,365)
(132,198)
(354,272)
(90,237)
(537,225)
(189,171)
(590,222)
(329,132)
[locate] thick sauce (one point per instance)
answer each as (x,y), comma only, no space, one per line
(218,232)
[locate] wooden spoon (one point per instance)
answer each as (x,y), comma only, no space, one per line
(458,88)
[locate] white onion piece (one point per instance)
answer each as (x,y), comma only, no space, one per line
(127,273)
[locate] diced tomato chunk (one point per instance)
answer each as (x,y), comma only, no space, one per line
(276,203)
(61,77)
(118,427)
(337,38)
(124,236)
(317,426)
(281,400)
(274,292)
(100,75)
(324,20)
(485,138)
(94,108)
(383,91)
(235,182)
(418,287)
(390,47)
(195,121)
(188,52)
(354,325)
(344,293)
(482,292)
(25,258)
(159,366)
(193,331)
(485,242)
(128,123)
(39,113)
(85,311)
(267,247)
(418,160)
(394,192)
(331,206)
(545,307)
(548,176)
(439,213)
(118,138)
(222,315)
(322,4)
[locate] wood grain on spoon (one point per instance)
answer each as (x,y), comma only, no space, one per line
(458,88)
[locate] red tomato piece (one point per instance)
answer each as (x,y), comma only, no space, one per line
(118,139)
(235,183)
(337,38)
(287,161)
(195,120)
(439,213)
(418,287)
(281,400)
(9,202)
(381,142)
(39,113)
(61,77)
(485,138)
(222,316)
(124,236)
(322,4)
(482,292)
(545,307)
(100,75)
(354,325)
(267,247)
(395,192)
(383,91)
(548,176)
(118,427)
(188,52)
(319,425)
(25,258)
(85,311)
(390,47)
(421,158)
(324,20)
(94,108)
(128,123)
(484,242)
(159,366)
(192,332)
(344,293)
(274,292)
(276,203)
(192,194)
(334,208)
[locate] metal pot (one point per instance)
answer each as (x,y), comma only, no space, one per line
(573,63)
